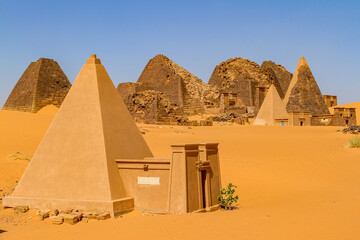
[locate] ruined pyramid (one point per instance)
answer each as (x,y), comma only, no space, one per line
(42,83)
(181,87)
(74,166)
(303,93)
(283,76)
(271,109)
(242,76)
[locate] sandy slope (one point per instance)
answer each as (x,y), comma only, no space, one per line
(293,183)
(353,105)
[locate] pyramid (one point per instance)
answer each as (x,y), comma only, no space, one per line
(242,76)
(43,83)
(271,109)
(283,76)
(74,166)
(303,93)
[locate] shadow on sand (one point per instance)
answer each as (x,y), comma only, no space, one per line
(2,231)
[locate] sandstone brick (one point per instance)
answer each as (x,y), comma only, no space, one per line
(21,209)
(43,214)
(69,218)
(103,216)
(57,220)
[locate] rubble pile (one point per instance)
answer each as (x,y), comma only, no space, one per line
(352,130)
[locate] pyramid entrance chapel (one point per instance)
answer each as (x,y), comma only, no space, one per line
(93,158)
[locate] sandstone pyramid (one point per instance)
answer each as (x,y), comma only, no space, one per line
(183,88)
(74,166)
(271,109)
(303,93)
(42,83)
(242,76)
(283,76)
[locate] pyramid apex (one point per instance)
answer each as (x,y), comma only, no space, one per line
(302,62)
(93,60)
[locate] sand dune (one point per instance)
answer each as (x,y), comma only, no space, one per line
(48,110)
(293,183)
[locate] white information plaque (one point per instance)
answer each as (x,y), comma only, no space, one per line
(149,180)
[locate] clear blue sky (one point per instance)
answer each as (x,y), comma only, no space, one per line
(197,35)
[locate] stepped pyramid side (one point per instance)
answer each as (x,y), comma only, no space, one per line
(271,109)
(43,83)
(303,93)
(283,76)
(74,165)
(159,74)
(274,81)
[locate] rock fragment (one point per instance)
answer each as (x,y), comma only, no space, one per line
(103,216)
(43,214)
(21,209)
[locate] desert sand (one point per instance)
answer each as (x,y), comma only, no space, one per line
(293,183)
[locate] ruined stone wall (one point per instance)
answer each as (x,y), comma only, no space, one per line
(183,88)
(344,117)
(152,107)
(330,100)
(126,91)
(322,120)
(42,83)
(242,77)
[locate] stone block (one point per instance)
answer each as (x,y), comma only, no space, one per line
(70,218)
(57,220)
(103,216)
(21,209)
(43,214)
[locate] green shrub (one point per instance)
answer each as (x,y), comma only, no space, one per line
(227,198)
(354,142)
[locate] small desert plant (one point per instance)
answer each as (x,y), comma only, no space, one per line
(354,142)
(227,198)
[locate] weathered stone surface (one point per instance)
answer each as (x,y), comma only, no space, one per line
(103,216)
(69,218)
(304,94)
(43,214)
(151,106)
(246,79)
(43,83)
(21,209)
(180,86)
(78,214)
(283,76)
(57,219)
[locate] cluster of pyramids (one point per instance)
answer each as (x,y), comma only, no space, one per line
(167,92)
(303,95)
(93,158)
(76,156)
